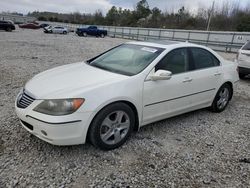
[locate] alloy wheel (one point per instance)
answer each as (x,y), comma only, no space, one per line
(223,98)
(115,127)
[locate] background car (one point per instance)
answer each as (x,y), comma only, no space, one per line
(32,25)
(7,25)
(92,31)
(43,25)
(56,30)
(134,84)
(243,59)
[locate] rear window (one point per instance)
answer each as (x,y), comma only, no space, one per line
(246,46)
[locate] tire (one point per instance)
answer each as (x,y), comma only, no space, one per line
(8,29)
(222,98)
(242,76)
(64,32)
(112,126)
(84,34)
(102,35)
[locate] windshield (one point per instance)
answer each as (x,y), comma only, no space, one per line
(127,59)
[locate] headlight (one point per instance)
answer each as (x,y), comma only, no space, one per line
(58,107)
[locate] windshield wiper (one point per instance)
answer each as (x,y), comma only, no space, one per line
(100,67)
(112,70)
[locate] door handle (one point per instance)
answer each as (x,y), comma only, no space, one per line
(217,74)
(187,80)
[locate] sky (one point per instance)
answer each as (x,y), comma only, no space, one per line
(90,6)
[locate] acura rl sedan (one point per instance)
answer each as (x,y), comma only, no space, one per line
(104,99)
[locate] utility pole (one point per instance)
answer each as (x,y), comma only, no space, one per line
(210,15)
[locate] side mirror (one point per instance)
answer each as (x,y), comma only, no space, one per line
(161,75)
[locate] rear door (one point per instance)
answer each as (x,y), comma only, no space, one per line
(206,76)
(92,31)
(55,30)
(60,30)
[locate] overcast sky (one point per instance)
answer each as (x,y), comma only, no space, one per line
(90,6)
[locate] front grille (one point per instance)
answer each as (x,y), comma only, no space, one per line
(24,100)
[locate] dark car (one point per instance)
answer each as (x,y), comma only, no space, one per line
(29,26)
(92,31)
(7,25)
(43,25)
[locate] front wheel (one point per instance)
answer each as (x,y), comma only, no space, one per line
(84,34)
(112,126)
(222,98)
(64,32)
(102,35)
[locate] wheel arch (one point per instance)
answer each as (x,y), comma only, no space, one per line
(231,86)
(130,104)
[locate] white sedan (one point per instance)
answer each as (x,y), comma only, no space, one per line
(56,30)
(107,97)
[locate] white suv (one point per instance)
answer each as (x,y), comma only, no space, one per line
(243,58)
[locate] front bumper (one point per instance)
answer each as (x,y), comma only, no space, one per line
(57,130)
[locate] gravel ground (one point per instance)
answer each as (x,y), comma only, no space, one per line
(198,149)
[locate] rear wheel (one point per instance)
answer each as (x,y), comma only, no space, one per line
(102,35)
(8,29)
(64,32)
(112,126)
(222,98)
(84,34)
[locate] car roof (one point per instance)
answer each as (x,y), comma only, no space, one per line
(164,44)
(9,21)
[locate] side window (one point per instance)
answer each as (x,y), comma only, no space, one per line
(175,61)
(202,58)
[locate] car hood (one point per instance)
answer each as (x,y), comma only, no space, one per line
(69,81)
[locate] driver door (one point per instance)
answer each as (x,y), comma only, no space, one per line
(166,98)
(55,30)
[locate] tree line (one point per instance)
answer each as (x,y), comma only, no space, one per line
(230,17)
